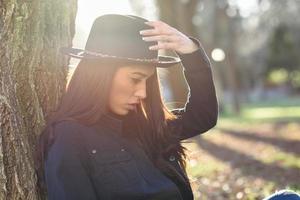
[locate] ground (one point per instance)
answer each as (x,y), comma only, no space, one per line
(249,156)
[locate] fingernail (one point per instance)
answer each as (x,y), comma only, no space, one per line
(142,32)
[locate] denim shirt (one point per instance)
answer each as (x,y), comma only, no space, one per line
(97,163)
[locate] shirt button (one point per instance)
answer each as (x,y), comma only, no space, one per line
(94,151)
(122,149)
(171,158)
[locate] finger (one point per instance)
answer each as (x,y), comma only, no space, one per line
(156,23)
(155,31)
(163,45)
(166,38)
(149,32)
(159,28)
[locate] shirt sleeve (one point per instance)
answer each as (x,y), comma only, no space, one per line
(201,109)
(65,171)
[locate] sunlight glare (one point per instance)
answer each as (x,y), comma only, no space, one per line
(88,10)
(218,55)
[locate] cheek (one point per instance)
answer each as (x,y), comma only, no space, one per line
(121,91)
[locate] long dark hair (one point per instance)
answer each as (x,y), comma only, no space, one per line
(85,101)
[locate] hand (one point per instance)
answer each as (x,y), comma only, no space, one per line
(168,38)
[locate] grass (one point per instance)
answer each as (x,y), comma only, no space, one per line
(286,110)
(210,167)
(285,159)
(257,161)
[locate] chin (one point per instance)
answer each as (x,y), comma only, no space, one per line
(122,112)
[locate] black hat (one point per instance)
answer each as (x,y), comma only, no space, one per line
(115,37)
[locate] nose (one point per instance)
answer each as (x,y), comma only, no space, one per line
(141,91)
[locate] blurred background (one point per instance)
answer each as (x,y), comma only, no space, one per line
(254,47)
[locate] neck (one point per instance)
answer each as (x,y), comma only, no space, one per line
(115,116)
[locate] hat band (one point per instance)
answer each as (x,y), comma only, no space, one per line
(91,53)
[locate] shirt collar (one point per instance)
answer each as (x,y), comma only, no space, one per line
(112,121)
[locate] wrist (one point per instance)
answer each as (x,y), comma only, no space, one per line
(193,46)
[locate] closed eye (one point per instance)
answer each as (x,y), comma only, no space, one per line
(136,80)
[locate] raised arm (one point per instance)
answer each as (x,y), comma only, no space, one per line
(201,110)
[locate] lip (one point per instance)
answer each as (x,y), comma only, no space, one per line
(133,103)
(131,106)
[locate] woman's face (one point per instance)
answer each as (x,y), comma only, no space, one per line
(128,88)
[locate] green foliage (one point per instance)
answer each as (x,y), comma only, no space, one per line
(295,188)
(283,50)
(278,76)
(295,79)
(283,61)
(281,76)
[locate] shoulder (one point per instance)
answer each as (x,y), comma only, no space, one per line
(76,133)
(69,131)
(68,125)
(75,127)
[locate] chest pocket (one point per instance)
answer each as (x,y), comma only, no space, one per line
(115,169)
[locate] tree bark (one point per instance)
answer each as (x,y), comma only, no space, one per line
(33,78)
(232,72)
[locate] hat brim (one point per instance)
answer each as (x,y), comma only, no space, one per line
(161,61)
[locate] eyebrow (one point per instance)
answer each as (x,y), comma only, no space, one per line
(140,73)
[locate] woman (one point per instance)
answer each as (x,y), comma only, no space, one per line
(112,137)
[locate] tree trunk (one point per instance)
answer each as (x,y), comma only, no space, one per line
(33,78)
(232,71)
